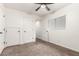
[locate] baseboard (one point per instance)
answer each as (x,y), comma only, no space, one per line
(32,41)
(61,47)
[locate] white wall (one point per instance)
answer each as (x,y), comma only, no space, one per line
(68,37)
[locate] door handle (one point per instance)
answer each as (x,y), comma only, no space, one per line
(46,31)
(18,31)
(5,42)
(24,31)
(6,31)
(1,33)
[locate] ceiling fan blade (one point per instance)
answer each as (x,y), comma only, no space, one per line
(38,8)
(47,8)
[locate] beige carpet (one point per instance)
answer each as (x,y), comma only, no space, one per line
(39,48)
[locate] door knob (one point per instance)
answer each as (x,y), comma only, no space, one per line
(6,31)
(24,31)
(5,42)
(0,32)
(18,31)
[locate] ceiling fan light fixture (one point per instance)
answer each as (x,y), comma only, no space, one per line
(43,6)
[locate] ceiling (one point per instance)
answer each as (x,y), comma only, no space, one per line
(30,7)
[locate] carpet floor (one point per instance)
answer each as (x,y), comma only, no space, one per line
(38,48)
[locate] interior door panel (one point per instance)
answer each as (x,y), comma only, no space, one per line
(27,35)
(12,36)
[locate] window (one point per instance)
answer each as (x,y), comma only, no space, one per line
(58,23)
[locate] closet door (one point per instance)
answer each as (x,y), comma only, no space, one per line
(12,36)
(45,35)
(28,33)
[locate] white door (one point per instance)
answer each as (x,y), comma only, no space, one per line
(28,33)
(45,35)
(12,36)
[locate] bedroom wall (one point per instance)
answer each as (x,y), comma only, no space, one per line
(68,37)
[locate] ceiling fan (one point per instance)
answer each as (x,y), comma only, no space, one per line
(43,5)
